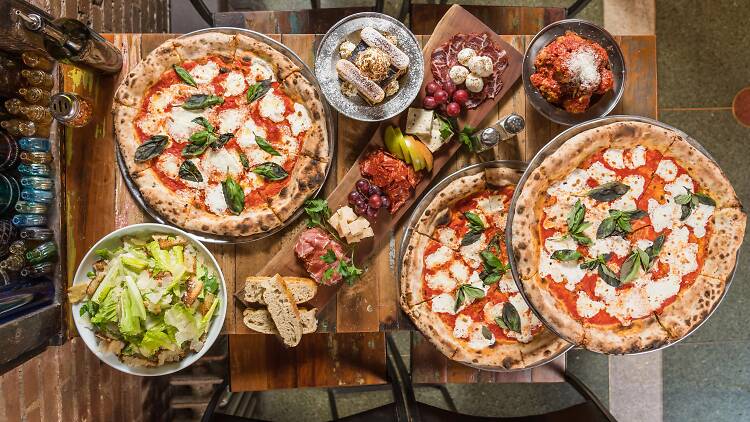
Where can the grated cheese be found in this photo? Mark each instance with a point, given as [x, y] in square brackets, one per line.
[582, 66]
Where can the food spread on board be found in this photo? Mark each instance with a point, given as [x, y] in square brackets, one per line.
[456, 283]
[150, 300]
[626, 237]
[221, 134]
[572, 71]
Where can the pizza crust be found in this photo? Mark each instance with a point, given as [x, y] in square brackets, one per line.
[315, 144]
[302, 91]
[198, 46]
[133, 88]
[435, 213]
[127, 137]
[308, 175]
[551, 311]
[526, 242]
[693, 305]
[498, 177]
[642, 335]
[724, 243]
[433, 328]
[176, 208]
[631, 134]
[247, 47]
[411, 272]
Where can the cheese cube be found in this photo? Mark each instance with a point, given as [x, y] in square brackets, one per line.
[419, 122]
[436, 140]
[347, 213]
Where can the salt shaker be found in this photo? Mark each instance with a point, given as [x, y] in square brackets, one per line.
[503, 129]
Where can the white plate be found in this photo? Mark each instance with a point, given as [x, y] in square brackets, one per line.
[85, 329]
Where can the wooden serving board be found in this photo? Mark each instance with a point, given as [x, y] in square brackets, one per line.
[456, 20]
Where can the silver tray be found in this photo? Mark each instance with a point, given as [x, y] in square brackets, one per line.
[357, 108]
[545, 152]
[426, 200]
[330, 128]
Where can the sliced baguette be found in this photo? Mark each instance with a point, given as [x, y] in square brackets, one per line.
[260, 321]
[302, 289]
[283, 310]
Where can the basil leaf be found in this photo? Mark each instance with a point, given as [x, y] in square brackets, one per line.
[499, 321]
[243, 159]
[656, 246]
[459, 300]
[575, 216]
[472, 292]
[202, 137]
[606, 228]
[184, 75]
[201, 101]
[608, 191]
[151, 148]
[683, 199]
[609, 277]
[590, 264]
[630, 268]
[685, 212]
[490, 259]
[200, 120]
[194, 150]
[490, 278]
[271, 171]
[470, 238]
[258, 90]
[636, 214]
[705, 199]
[566, 255]
[222, 140]
[189, 171]
[623, 223]
[644, 258]
[486, 333]
[581, 239]
[475, 223]
[234, 195]
[329, 257]
[265, 146]
[511, 317]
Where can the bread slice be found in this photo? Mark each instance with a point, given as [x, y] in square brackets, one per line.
[283, 310]
[302, 289]
[260, 321]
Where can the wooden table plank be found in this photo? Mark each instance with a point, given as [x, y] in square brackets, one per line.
[512, 20]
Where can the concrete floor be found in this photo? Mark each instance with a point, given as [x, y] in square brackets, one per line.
[701, 66]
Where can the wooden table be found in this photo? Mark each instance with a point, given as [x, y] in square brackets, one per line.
[98, 202]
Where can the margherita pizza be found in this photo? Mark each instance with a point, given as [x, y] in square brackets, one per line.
[625, 237]
[456, 283]
[221, 133]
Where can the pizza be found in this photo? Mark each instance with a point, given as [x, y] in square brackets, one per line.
[456, 284]
[626, 237]
[221, 133]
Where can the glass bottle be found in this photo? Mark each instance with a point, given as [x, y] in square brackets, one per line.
[8, 151]
[37, 60]
[35, 95]
[15, 106]
[29, 220]
[38, 270]
[44, 252]
[36, 157]
[34, 144]
[19, 247]
[41, 183]
[8, 233]
[38, 78]
[36, 195]
[70, 40]
[12, 263]
[18, 127]
[9, 193]
[502, 130]
[35, 233]
[37, 113]
[10, 76]
[26, 207]
[71, 109]
[34, 169]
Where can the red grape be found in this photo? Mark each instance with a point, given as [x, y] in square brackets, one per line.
[385, 202]
[363, 186]
[461, 96]
[372, 212]
[431, 87]
[449, 87]
[443, 109]
[453, 109]
[441, 96]
[374, 190]
[361, 209]
[429, 102]
[354, 197]
[375, 201]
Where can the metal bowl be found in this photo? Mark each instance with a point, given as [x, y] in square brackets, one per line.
[356, 107]
[535, 162]
[600, 106]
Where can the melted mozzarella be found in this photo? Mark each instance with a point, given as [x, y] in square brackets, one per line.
[667, 170]
[272, 107]
[575, 183]
[586, 306]
[470, 253]
[441, 281]
[662, 289]
[612, 244]
[506, 284]
[601, 174]
[477, 282]
[493, 204]
[614, 158]
[299, 119]
[643, 243]
[205, 73]
[234, 84]
[444, 303]
[260, 70]
[440, 257]
[180, 125]
[459, 271]
[556, 242]
[557, 213]
[699, 218]
[679, 186]
[605, 291]
[221, 162]
[215, 199]
[637, 157]
[663, 216]
[461, 329]
[627, 202]
[629, 304]
[230, 120]
[170, 165]
[247, 133]
[152, 124]
[492, 311]
[163, 98]
[448, 237]
[678, 253]
[528, 319]
[560, 271]
[477, 340]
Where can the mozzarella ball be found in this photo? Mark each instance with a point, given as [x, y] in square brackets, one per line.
[458, 74]
[474, 83]
[480, 66]
[464, 56]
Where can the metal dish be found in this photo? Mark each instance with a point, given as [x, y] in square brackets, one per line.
[330, 128]
[545, 152]
[409, 229]
[357, 108]
[602, 105]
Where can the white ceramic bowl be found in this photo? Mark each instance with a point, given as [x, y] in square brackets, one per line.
[84, 327]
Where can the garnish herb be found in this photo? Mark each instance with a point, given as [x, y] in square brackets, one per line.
[689, 200]
[201, 140]
[476, 227]
[184, 75]
[618, 223]
[265, 146]
[653, 250]
[329, 257]
[151, 148]
[200, 120]
[509, 320]
[258, 90]
[233, 194]
[349, 272]
[223, 139]
[467, 137]
[486, 333]
[494, 269]
[317, 212]
[271, 171]
[566, 255]
[608, 191]
[89, 307]
[90, 274]
[201, 101]
[189, 171]
[243, 159]
[576, 224]
[467, 292]
[446, 130]
[600, 265]
[327, 274]
[632, 266]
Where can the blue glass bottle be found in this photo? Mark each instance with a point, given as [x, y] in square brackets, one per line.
[28, 220]
[25, 207]
[34, 169]
[34, 182]
[34, 144]
[36, 195]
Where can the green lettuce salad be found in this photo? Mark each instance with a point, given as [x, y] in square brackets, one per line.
[151, 300]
